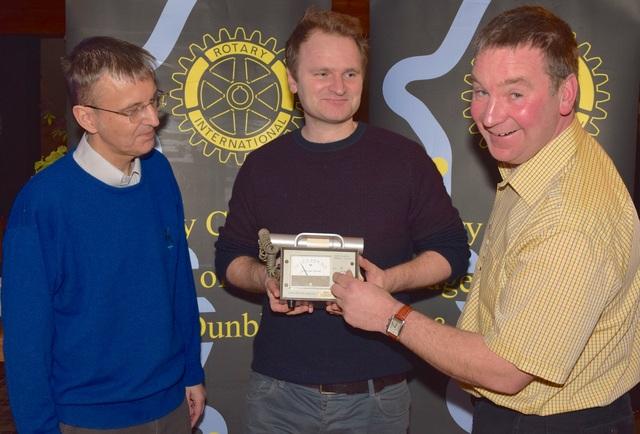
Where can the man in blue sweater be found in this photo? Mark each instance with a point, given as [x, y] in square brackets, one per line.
[98, 300]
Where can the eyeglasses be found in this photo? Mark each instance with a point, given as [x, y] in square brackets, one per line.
[135, 113]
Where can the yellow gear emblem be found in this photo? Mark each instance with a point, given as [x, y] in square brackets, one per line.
[233, 95]
[592, 93]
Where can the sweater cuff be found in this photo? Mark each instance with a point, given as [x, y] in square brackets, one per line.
[452, 245]
[194, 375]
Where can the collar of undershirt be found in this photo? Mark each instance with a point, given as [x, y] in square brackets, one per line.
[330, 146]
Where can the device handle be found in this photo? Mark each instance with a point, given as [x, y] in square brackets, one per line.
[319, 240]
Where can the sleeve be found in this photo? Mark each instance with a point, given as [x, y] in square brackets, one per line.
[186, 304]
[27, 316]
[541, 298]
[435, 222]
[239, 235]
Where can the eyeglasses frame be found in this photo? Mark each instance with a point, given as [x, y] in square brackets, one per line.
[158, 102]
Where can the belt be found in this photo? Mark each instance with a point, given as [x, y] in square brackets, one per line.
[358, 386]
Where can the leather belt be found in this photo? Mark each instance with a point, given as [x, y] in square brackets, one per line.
[358, 386]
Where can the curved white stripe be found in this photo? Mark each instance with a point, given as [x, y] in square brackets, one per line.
[168, 28]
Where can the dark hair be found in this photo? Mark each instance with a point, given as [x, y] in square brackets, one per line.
[327, 22]
[95, 56]
[536, 27]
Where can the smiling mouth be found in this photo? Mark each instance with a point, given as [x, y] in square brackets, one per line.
[508, 133]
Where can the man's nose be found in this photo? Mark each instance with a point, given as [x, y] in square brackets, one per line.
[493, 113]
[337, 85]
[151, 115]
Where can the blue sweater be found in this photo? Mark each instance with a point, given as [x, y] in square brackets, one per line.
[98, 300]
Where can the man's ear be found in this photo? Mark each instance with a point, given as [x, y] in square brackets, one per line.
[86, 118]
[293, 84]
[568, 94]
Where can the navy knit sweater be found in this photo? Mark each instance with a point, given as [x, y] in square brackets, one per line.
[98, 300]
[375, 184]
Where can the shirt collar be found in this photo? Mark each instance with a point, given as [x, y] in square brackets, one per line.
[95, 165]
[530, 179]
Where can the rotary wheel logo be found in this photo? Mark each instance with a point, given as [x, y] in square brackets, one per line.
[591, 96]
[233, 95]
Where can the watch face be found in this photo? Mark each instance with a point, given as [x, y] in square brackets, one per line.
[308, 265]
[395, 325]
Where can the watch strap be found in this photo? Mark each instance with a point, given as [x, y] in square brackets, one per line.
[401, 316]
[403, 312]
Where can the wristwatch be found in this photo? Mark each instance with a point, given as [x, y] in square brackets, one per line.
[396, 322]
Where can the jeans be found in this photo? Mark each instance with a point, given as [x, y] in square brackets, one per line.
[278, 407]
[615, 418]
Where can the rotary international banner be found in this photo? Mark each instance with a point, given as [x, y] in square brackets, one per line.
[420, 87]
[222, 64]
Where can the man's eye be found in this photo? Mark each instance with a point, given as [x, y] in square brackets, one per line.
[132, 111]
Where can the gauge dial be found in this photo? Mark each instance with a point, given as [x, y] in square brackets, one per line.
[310, 265]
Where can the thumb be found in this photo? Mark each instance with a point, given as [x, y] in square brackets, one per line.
[273, 287]
[364, 263]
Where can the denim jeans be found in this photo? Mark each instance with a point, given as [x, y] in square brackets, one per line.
[615, 418]
[278, 407]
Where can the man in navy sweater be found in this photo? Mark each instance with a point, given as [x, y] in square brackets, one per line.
[98, 300]
[311, 371]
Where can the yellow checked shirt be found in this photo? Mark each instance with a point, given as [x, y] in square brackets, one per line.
[557, 287]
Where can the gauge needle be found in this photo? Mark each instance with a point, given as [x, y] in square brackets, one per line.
[303, 269]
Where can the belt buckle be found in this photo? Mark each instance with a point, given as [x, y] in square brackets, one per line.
[325, 392]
